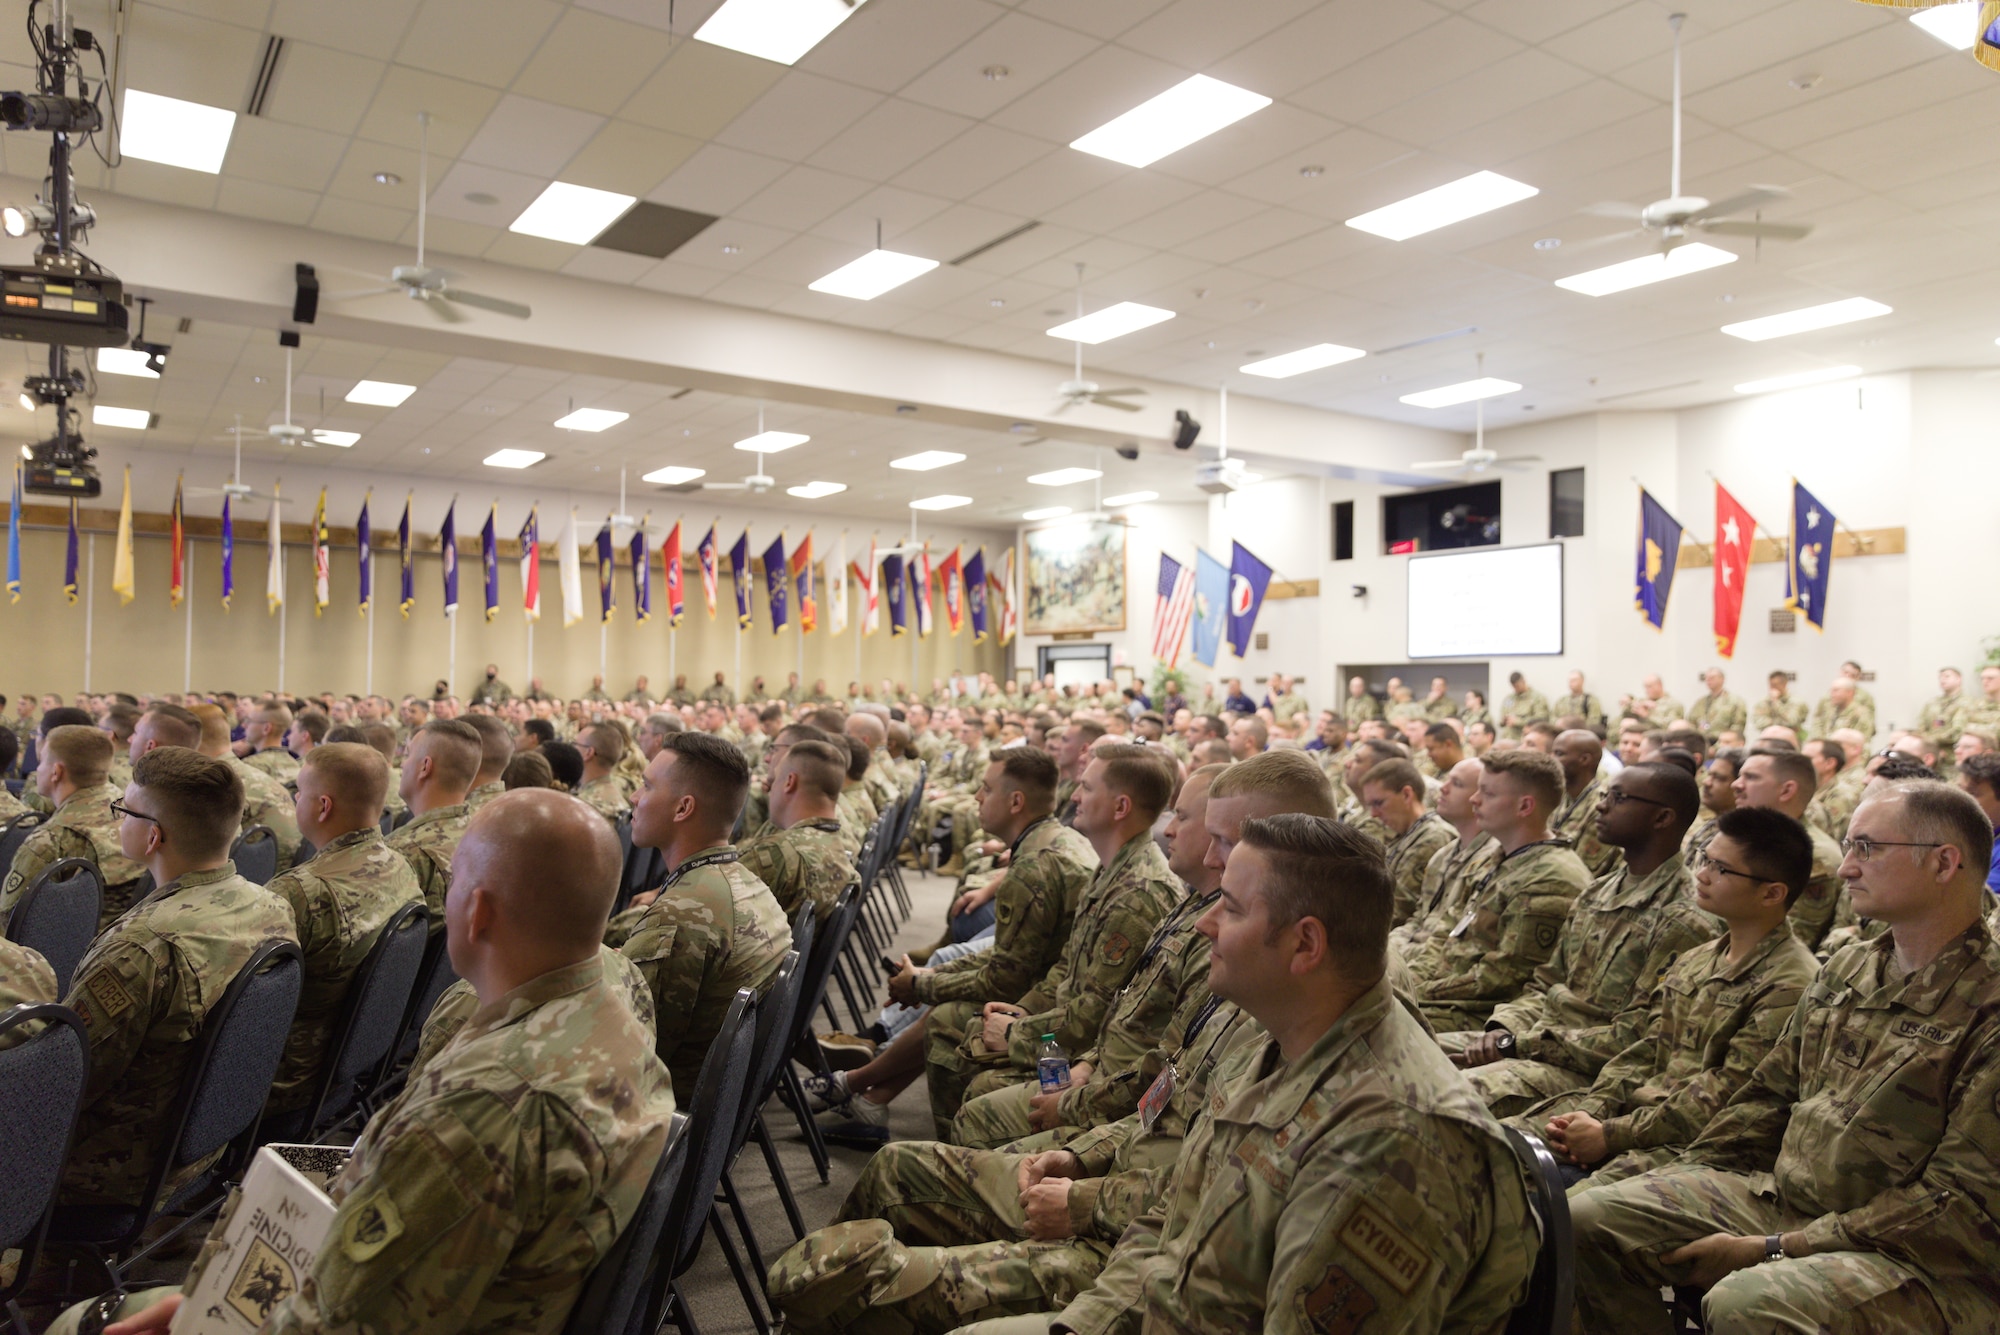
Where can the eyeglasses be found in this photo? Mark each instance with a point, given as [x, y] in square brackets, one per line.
[1618, 797]
[120, 809]
[1862, 849]
[1703, 862]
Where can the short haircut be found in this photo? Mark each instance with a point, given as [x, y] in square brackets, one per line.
[541, 730]
[275, 716]
[771, 714]
[1090, 729]
[315, 724]
[529, 769]
[1731, 756]
[605, 742]
[1777, 847]
[120, 719]
[1831, 750]
[662, 724]
[1896, 766]
[214, 726]
[711, 767]
[174, 726]
[454, 751]
[1442, 732]
[794, 733]
[1381, 748]
[1789, 765]
[857, 755]
[1030, 771]
[820, 766]
[198, 801]
[1673, 785]
[1681, 759]
[84, 751]
[348, 732]
[1138, 773]
[1255, 727]
[63, 716]
[1535, 772]
[1983, 768]
[1541, 727]
[835, 721]
[354, 772]
[1940, 813]
[1212, 752]
[382, 737]
[1393, 776]
[1289, 778]
[1323, 869]
[496, 747]
[565, 763]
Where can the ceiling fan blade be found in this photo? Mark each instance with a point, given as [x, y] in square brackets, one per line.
[725, 486]
[498, 305]
[441, 307]
[1595, 242]
[1064, 406]
[364, 292]
[1763, 231]
[1520, 459]
[1439, 466]
[1119, 404]
[1611, 208]
[1747, 201]
[1108, 393]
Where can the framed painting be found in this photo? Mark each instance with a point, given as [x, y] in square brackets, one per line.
[1076, 577]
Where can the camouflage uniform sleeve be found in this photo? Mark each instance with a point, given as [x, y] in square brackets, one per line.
[1531, 917]
[1102, 1101]
[765, 859]
[455, 1005]
[38, 852]
[414, 1245]
[1104, 1207]
[1588, 1047]
[1115, 1304]
[1694, 1102]
[1077, 1018]
[1745, 1135]
[117, 990]
[1027, 911]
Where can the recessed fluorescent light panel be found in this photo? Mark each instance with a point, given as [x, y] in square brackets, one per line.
[770, 442]
[1131, 498]
[125, 361]
[132, 419]
[1957, 26]
[1062, 477]
[1192, 109]
[673, 475]
[1465, 391]
[812, 491]
[1799, 379]
[344, 439]
[1111, 322]
[1046, 512]
[380, 393]
[573, 213]
[873, 274]
[1681, 260]
[1314, 358]
[591, 419]
[1455, 201]
[780, 30]
[925, 461]
[1806, 320]
[945, 502]
[513, 458]
[177, 133]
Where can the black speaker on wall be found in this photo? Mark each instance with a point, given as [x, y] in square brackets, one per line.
[305, 301]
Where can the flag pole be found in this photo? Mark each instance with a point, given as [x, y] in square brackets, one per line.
[89, 604]
[187, 596]
[368, 680]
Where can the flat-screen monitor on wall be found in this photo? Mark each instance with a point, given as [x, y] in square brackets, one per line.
[1487, 602]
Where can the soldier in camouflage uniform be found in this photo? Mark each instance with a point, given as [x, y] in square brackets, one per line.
[496, 748]
[265, 733]
[1942, 718]
[1718, 711]
[1839, 787]
[438, 769]
[71, 775]
[1360, 705]
[1362, 757]
[1286, 700]
[603, 746]
[1513, 915]
[340, 901]
[1454, 867]
[1578, 703]
[1778, 709]
[1123, 790]
[1392, 792]
[712, 927]
[145, 987]
[800, 854]
[487, 1193]
[458, 1003]
[1580, 753]
[1841, 709]
[954, 781]
[1522, 706]
[25, 980]
[1845, 1186]
[1580, 1008]
[1984, 711]
[1710, 1021]
[1783, 781]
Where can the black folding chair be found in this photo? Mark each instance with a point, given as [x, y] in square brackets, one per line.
[718, 1093]
[305, 853]
[220, 1102]
[57, 916]
[364, 1037]
[388, 823]
[255, 854]
[617, 1287]
[41, 1092]
[434, 975]
[15, 833]
[1552, 1288]
[821, 960]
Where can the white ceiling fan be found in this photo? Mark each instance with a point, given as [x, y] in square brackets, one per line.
[756, 483]
[236, 488]
[1478, 460]
[1076, 390]
[1673, 220]
[421, 282]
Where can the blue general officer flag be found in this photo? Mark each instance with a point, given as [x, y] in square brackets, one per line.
[894, 592]
[774, 583]
[1211, 606]
[1659, 553]
[1248, 579]
[1810, 557]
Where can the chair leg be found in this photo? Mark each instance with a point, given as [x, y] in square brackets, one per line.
[779, 1178]
[678, 1313]
[729, 1254]
[847, 995]
[815, 1146]
[734, 1200]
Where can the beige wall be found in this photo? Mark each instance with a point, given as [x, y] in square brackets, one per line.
[143, 647]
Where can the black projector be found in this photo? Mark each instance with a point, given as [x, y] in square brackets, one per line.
[84, 312]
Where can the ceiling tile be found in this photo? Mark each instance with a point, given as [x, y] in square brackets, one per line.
[592, 62]
[885, 46]
[1441, 54]
[484, 41]
[800, 198]
[324, 88]
[1108, 82]
[717, 180]
[1186, 34]
[456, 109]
[888, 139]
[800, 113]
[264, 150]
[273, 203]
[511, 192]
[351, 217]
[700, 89]
[608, 266]
[976, 159]
[364, 27]
[181, 55]
[630, 159]
[1028, 50]
[526, 135]
[899, 213]
[1103, 19]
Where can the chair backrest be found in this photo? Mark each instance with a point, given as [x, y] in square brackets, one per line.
[41, 1092]
[388, 822]
[57, 917]
[775, 1013]
[1552, 1288]
[222, 1097]
[15, 833]
[305, 853]
[865, 861]
[718, 1092]
[371, 1017]
[434, 975]
[821, 950]
[911, 801]
[255, 854]
[403, 817]
[615, 1288]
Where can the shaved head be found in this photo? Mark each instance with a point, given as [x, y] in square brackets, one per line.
[867, 728]
[549, 863]
[353, 774]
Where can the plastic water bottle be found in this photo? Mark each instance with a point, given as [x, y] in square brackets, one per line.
[1052, 1066]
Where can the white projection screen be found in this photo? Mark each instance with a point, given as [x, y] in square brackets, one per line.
[1487, 602]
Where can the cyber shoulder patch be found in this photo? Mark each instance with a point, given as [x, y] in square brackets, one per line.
[1386, 1249]
[1339, 1305]
[1115, 947]
[373, 1226]
[109, 994]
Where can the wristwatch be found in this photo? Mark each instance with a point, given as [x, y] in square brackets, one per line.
[1505, 1044]
[1774, 1247]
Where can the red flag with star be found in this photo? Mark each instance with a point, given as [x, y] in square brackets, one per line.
[1735, 531]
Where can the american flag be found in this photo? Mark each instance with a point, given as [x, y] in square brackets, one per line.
[1173, 610]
